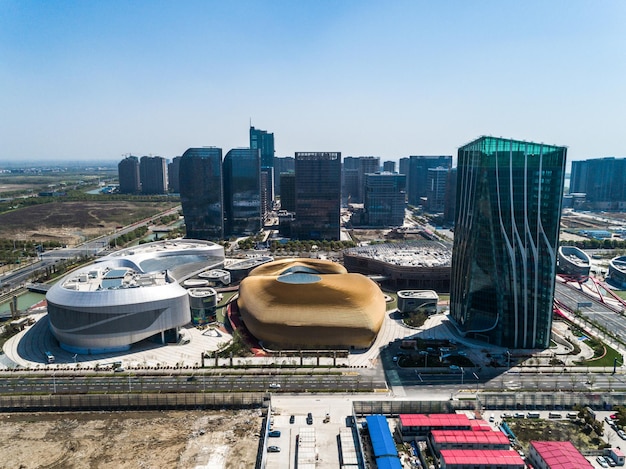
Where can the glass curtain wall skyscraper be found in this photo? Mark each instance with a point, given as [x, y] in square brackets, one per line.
[318, 196]
[201, 193]
[508, 205]
[264, 142]
[385, 200]
[417, 177]
[242, 191]
[603, 180]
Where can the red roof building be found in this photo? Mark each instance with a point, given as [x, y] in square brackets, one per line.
[480, 459]
[556, 455]
[467, 439]
[420, 425]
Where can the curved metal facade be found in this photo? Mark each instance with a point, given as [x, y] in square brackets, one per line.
[128, 296]
[509, 196]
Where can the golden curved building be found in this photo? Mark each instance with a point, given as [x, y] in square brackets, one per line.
[310, 303]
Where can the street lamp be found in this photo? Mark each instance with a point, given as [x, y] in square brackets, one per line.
[424, 353]
[476, 376]
[462, 374]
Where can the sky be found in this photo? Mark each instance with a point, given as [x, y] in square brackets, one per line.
[87, 80]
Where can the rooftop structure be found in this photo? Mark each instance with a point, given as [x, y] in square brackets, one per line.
[557, 455]
[410, 265]
[481, 459]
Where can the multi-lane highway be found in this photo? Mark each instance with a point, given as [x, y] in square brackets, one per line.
[131, 382]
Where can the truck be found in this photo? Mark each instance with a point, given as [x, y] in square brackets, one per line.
[49, 357]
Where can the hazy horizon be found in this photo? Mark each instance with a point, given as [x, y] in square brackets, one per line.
[99, 80]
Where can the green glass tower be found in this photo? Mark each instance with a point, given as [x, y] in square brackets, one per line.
[508, 206]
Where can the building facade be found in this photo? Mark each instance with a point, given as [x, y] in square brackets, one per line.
[603, 180]
[384, 199]
[417, 181]
[288, 191]
[436, 186]
[173, 175]
[282, 165]
[153, 172]
[242, 191]
[509, 197]
[201, 193]
[264, 142]
[128, 172]
[318, 196]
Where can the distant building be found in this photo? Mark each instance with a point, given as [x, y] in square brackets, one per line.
[449, 203]
[384, 199]
[173, 174]
[242, 191]
[603, 180]
[436, 184]
[128, 172]
[201, 193]
[288, 191]
[318, 196]
[153, 172]
[389, 166]
[509, 197]
[282, 165]
[264, 142]
[354, 171]
[417, 181]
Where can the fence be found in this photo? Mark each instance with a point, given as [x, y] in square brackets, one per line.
[88, 402]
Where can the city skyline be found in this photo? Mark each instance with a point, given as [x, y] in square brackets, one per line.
[99, 80]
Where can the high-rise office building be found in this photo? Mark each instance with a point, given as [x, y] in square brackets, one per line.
[282, 165]
[449, 204]
[436, 183]
[603, 180]
[318, 196]
[242, 191]
[385, 199]
[350, 180]
[128, 173]
[403, 168]
[354, 170]
[153, 172]
[264, 142]
[389, 166]
[173, 175]
[509, 196]
[418, 175]
[288, 191]
[201, 193]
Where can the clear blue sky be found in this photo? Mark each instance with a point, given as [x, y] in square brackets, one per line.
[98, 79]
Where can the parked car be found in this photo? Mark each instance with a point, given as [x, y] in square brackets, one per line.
[519, 415]
[309, 419]
[292, 419]
[506, 415]
[273, 449]
[602, 461]
[622, 434]
[274, 434]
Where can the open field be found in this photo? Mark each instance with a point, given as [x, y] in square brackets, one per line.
[225, 439]
[72, 222]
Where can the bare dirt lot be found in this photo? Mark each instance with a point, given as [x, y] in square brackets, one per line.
[71, 222]
[225, 439]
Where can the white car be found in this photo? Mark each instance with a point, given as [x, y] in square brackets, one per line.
[274, 386]
[602, 461]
